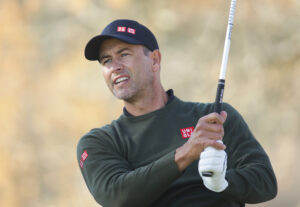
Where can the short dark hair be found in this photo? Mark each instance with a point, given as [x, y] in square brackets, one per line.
[146, 50]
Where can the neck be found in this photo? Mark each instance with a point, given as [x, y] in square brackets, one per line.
[152, 101]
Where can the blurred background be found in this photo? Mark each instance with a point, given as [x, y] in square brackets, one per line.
[50, 95]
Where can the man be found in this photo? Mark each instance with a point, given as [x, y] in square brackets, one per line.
[149, 156]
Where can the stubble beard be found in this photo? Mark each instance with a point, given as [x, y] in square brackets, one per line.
[126, 94]
[133, 92]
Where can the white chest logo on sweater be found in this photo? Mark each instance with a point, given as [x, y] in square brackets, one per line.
[186, 132]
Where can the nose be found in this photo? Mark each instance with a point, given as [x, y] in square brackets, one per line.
[116, 65]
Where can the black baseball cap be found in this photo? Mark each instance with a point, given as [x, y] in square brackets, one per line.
[126, 30]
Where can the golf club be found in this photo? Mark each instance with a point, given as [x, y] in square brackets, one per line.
[221, 82]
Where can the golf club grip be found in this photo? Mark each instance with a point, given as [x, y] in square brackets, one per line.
[219, 96]
[218, 109]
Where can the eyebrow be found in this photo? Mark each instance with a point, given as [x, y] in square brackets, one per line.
[118, 52]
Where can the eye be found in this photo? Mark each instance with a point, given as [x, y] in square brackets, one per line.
[106, 61]
[124, 54]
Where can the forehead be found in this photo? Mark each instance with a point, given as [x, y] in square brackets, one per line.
[112, 44]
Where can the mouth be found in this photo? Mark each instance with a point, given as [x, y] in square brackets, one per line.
[120, 80]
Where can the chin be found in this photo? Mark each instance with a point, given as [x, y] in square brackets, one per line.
[124, 95]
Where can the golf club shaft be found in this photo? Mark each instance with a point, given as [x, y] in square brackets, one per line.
[221, 82]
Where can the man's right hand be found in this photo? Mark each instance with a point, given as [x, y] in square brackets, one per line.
[207, 132]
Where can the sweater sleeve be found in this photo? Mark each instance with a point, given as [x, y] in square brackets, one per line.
[249, 172]
[111, 179]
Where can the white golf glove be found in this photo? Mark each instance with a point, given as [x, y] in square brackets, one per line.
[214, 161]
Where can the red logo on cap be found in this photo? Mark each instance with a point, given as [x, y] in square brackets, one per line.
[186, 132]
[124, 29]
[121, 29]
[130, 30]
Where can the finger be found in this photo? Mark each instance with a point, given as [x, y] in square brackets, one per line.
[224, 115]
[212, 161]
[210, 127]
[212, 164]
[215, 144]
[213, 118]
[212, 153]
[214, 133]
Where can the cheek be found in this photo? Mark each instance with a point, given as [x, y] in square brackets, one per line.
[106, 75]
[145, 75]
[144, 66]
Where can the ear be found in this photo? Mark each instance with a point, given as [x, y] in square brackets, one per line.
[156, 57]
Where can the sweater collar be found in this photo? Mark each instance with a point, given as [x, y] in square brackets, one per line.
[170, 94]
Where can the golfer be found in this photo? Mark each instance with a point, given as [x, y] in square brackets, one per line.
[149, 156]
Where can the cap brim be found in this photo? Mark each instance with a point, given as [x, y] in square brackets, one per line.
[91, 51]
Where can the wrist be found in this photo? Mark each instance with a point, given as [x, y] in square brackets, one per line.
[182, 158]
